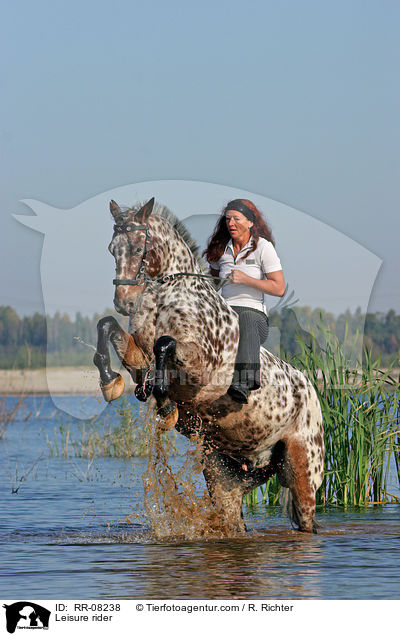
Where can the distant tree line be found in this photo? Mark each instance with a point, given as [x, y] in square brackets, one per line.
[23, 341]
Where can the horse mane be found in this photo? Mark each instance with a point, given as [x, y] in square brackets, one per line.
[165, 213]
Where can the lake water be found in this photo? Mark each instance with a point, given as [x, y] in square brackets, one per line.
[65, 533]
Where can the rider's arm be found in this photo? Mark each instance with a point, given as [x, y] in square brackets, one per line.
[271, 280]
[274, 284]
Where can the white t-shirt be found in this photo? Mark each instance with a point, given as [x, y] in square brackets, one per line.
[257, 264]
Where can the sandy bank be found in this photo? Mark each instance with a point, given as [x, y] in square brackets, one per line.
[55, 380]
[61, 381]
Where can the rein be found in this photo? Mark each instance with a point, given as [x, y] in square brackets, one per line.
[142, 277]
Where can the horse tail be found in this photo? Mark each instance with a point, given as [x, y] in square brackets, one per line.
[289, 508]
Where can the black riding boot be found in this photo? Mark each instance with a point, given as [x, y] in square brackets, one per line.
[246, 378]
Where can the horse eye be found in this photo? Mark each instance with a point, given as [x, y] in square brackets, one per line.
[139, 249]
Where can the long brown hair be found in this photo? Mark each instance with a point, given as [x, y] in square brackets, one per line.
[220, 237]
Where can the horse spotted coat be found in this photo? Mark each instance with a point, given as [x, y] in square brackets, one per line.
[194, 334]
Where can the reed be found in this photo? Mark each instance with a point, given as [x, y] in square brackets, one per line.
[120, 432]
[8, 414]
[360, 407]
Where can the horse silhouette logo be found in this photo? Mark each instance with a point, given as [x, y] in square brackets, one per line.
[325, 267]
[26, 615]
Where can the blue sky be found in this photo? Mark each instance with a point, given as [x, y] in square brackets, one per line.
[295, 101]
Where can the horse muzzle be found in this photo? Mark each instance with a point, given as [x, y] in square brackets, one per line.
[126, 299]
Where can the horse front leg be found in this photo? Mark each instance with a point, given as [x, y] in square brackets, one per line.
[167, 410]
[133, 358]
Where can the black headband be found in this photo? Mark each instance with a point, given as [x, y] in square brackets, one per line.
[239, 206]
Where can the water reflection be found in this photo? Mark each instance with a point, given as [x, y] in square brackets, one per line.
[277, 564]
[64, 537]
[272, 563]
[259, 568]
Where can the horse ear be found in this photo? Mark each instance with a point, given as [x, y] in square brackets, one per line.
[114, 208]
[143, 214]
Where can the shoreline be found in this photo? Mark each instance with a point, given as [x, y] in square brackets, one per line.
[64, 381]
[55, 381]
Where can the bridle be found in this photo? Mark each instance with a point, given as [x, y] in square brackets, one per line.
[141, 276]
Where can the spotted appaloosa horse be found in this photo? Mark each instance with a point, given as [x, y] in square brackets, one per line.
[181, 348]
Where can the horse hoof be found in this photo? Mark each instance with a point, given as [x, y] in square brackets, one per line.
[114, 389]
[168, 416]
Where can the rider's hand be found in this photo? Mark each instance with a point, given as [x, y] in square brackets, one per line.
[236, 276]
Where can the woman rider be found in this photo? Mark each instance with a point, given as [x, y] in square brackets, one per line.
[241, 250]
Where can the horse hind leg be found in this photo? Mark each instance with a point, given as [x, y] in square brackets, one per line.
[228, 481]
[164, 352]
[226, 484]
[294, 473]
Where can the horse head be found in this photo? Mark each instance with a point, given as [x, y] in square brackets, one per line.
[134, 258]
[147, 243]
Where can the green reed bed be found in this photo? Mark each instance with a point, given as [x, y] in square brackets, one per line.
[360, 408]
[121, 432]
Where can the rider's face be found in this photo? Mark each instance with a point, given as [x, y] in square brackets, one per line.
[238, 225]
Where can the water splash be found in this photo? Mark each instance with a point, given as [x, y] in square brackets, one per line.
[174, 508]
